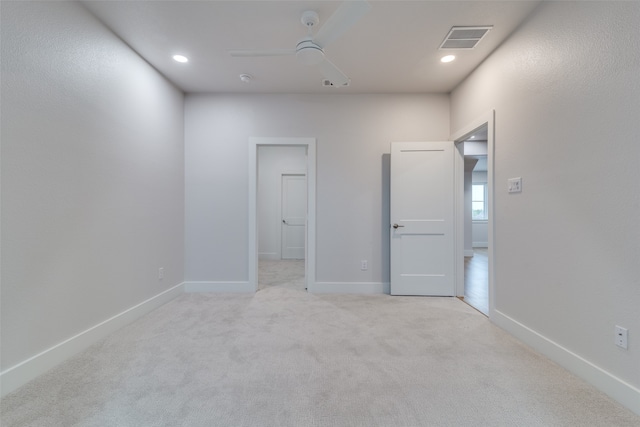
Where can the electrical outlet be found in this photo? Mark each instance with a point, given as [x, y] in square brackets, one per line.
[514, 185]
[621, 337]
[161, 273]
[364, 265]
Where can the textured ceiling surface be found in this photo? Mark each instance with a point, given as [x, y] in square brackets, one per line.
[392, 49]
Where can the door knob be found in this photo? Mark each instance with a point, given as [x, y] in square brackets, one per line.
[397, 226]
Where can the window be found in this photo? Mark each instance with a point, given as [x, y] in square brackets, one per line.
[479, 202]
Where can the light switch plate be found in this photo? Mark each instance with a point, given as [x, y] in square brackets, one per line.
[515, 185]
[621, 337]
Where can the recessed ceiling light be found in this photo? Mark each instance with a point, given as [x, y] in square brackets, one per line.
[180, 58]
[246, 78]
[447, 58]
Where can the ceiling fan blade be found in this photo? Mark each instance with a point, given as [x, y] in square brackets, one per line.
[333, 73]
[261, 52]
[347, 14]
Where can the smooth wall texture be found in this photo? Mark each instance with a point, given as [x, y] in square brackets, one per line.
[272, 163]
[92, 177]
[480, 229]
[469, 164]
[353, 137]
[566, 94]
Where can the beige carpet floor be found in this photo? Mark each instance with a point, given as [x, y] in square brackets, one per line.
[284, 357]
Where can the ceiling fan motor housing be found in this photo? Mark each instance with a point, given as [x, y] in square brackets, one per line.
[309, 52]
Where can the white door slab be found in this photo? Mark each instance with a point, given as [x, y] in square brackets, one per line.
[294, 215]
[422, 218]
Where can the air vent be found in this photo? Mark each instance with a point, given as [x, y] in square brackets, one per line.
[464, 37]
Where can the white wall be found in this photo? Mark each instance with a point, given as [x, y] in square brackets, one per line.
[480, 234]
[479, 229]
[272, 163]
[469, 164]
[479, 177]
[353, 134]
[92, 177]
[566, 94]
[475, 148]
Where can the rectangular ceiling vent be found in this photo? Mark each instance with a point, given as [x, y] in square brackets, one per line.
[465, 37]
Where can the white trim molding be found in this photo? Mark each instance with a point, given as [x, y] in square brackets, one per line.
[351, 288]
[25, 371]
[219, 287]
[616, 388]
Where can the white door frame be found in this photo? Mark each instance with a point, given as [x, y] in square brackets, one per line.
[487, 119]
[310, 241]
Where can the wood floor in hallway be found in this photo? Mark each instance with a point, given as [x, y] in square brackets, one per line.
[476, 280]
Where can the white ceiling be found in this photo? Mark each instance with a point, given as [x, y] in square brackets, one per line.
[392, 49]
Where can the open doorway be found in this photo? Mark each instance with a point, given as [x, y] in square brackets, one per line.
[282, 213]
[475, 214]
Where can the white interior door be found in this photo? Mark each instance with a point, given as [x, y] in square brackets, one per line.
[294, 215]
[422, 218]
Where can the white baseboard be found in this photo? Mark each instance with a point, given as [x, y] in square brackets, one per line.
[20, 374]
[468, 252]
[219, 287]
[270, 256]
[480, 244]
[350, 288]
[616, 388]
